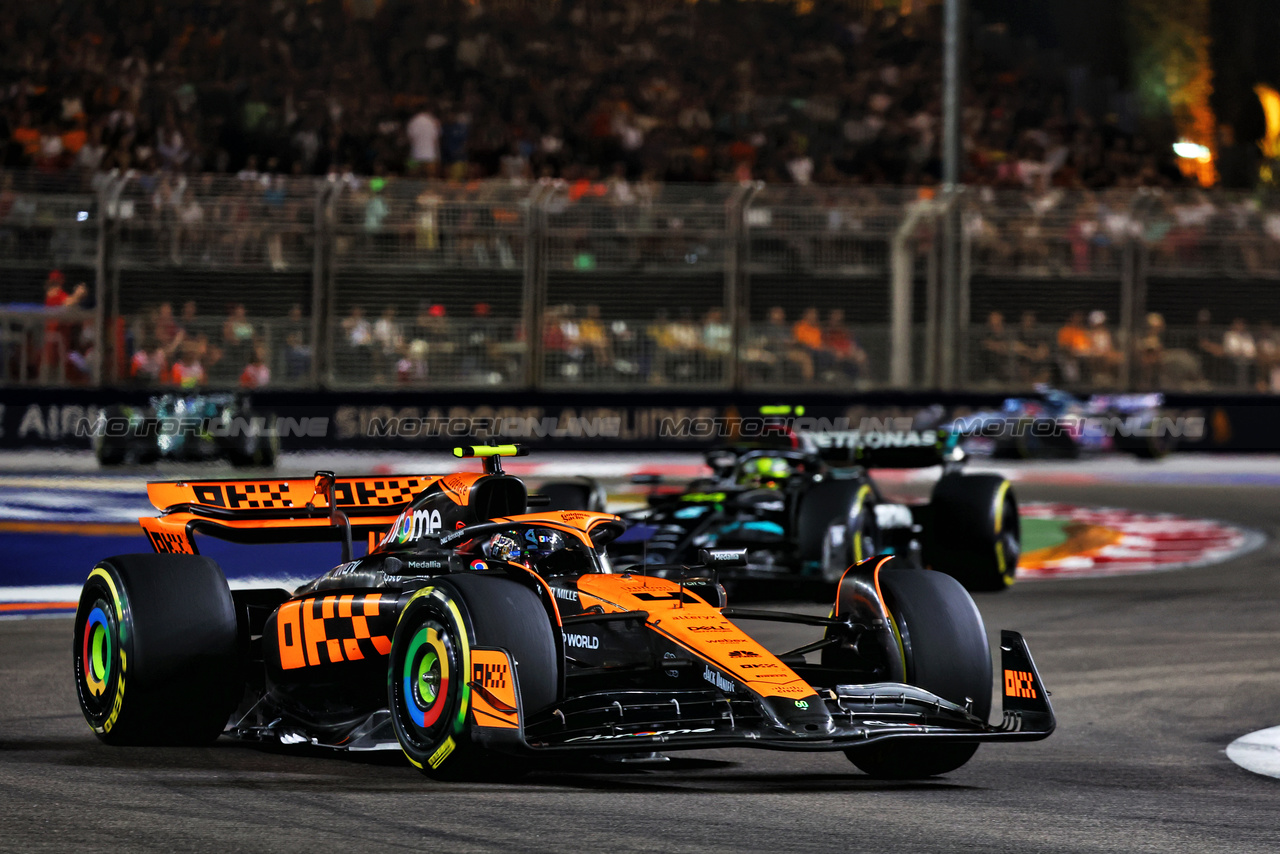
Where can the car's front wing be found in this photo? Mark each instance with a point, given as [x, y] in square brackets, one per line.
[628, 721]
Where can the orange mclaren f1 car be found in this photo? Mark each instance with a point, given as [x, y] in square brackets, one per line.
[477, 636]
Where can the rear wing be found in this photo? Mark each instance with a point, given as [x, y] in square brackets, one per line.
[281, 510]
[896, 449]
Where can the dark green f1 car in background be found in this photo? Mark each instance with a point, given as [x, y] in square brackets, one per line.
[187, 428]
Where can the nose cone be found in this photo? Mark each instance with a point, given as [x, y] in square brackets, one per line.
[802, 716]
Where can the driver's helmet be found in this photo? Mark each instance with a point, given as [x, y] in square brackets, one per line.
[524, 546]
[764, 471]
[506, 547]
[540, 542]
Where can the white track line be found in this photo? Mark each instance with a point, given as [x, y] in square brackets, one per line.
[1258, 752]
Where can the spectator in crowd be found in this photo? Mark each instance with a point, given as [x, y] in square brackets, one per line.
[594, 341]
[843, 93]
[357, 329]
[355, 348]
[1209, 349]
[1268, 367]
[411, 368]
[423, 131]
[717, 344]
[996, 351]
[1102, 359]
[388, 340]
[1150, 352]
[806, 335]
[1239, 349]
[297, 357]
[1031, 346]
[677, 343]
[1074, 348]
[149, 366]
[237, 331]
[849, 359]
[57, 334]
[167, 332]
[189, 320]
[188, 372]
[769, 351]
[257, 373]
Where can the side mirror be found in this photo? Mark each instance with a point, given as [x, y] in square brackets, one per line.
[324, 488]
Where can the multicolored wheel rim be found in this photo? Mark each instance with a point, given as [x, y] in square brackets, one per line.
[98, 650]
[426, 674]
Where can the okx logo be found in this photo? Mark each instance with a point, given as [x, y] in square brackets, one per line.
[1019, 683]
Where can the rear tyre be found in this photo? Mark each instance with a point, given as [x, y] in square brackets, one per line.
[976, 534]
[111, 450]
[836, 526]
[428, 689]
[154, 650]
[254, 448]
[1147, 447]
[1041, 438]
[582, 493]
[944, 645]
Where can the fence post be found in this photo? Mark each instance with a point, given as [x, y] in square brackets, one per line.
[964, 320]
[737, 307]
[534, 286]
[1134, 294]
[901, 308]
[100, 291]
[323, 324]
[320, 274]
[110, 195]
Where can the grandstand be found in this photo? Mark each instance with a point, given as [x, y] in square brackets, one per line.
[604, 194]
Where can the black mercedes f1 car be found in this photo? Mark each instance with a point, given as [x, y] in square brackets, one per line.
[810, 508]
[478, 637]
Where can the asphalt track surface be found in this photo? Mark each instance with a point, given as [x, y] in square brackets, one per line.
[1152, 676]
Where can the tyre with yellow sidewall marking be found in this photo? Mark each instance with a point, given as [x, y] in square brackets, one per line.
[975, 535]
[154, 650]
[429, 694]
[945, 652]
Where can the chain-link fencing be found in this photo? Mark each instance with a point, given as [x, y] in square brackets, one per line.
[427, 284]
[253, 280]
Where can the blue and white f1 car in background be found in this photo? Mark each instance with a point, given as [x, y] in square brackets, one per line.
[1055, 424]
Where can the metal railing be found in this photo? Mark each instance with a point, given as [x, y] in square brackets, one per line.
[368, 283]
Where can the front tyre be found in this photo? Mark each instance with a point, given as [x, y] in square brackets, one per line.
[154, 650]
[945, 651]
[429, 691]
